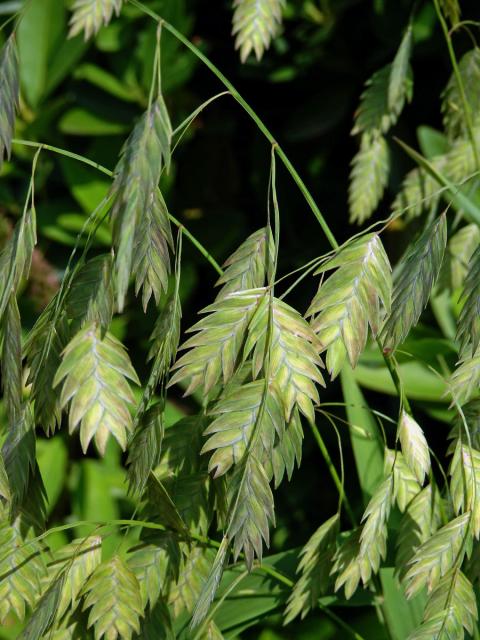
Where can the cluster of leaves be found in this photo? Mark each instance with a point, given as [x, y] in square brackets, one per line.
[253, 363]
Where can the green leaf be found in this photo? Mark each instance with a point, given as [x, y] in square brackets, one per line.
[82, 122]
[21, 568]
[12, 384]
[94, 373]
[314, 569]
[90, 15]
[414, 446]
[217, 345]
[453, 107]
[141, 228]
[400, 84]
[255, 24]
[438, 555]
[247, 267]
[368, 177]
[417, 273]
[279, 335]
[39, 32]
[452, 607]
[112, 594]
[368, 452]
[350, 300]
[9, 92]
[90, 295]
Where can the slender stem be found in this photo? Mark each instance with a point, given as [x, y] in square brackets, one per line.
[107, 172]
[244, 104]
[333, 471]
[458, 78]
[343, 625]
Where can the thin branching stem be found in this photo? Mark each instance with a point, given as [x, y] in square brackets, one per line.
[333, 472]
[244, 104]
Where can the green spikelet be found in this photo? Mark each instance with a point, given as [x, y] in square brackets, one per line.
[255, 24]
[368, 177]
[90, 15]
[9, 95]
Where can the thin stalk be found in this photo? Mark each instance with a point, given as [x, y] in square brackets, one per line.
[333, 472]
[244, 104]
[458, 78]
[107, 172]
[203, 627]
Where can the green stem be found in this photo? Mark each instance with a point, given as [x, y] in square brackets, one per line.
[244, 104]
[333, 472]
[458, 78]
[107, 172]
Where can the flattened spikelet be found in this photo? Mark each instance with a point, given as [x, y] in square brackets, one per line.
[374, 114]
[249, 417]
[90, 15]
[247, 267]
[292, 352]
[405, 484]
[368, 177]
[417, 273]
[251, 509]
[216, 347]
[255, 24]
[351, 300]
[451, 608]
[141, 228]
[21, 568]
[112, 594]
[465, 482]
[414, 446]
[437, 555]
[314, 569]
[468, 332]
[9, 95]
[454, 119]
[94, 374]
[421, 519]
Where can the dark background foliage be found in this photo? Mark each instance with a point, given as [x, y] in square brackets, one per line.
[86, 97]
